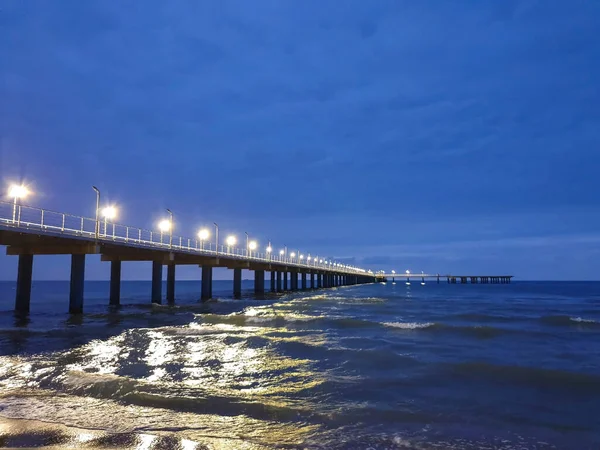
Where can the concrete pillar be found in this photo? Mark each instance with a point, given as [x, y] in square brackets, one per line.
[23, 297]
[294, 280]
[278, 281]
[171, 283]
[237, 283]
[259, 281]
[312, 281]
[156, 282]
[285, 281]
[273, 281]
[319, 281]
[115, 283]
[206, 283]
[77, 280]
[303, 280]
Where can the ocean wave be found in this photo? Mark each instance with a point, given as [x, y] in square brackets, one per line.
[409, 325]
[568, 321]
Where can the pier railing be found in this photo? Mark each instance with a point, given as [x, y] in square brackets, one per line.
[31, 219]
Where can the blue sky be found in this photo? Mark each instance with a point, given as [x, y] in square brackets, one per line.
[441, 136]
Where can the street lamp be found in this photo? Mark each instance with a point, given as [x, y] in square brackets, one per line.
[109, 213]
[230, 241]
[216, 240]
[247, 246]
[97, 231]
[170, 228]
[163, 226]
[251, 247]
[17, 191]
[203, 234]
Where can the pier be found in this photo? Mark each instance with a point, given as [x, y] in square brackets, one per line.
[28, 232]
[450, 279]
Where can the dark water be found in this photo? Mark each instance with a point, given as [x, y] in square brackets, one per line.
[377, 366]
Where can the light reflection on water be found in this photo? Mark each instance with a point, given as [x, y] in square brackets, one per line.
[308, 372]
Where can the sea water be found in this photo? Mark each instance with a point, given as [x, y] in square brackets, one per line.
[378, 366]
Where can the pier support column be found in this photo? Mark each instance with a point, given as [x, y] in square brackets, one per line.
[77, 280]
[23, 297]
[294, 280]
[206, 282]
[278, 281]
[171, 283]
[319, 281]
[303, 280]
[272, 281]
[156, 282]
[312, 281]
[237, 283]
[259, 281]
[115, 283]
[285, 281]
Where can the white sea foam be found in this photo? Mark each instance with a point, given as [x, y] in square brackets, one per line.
[581, 320]
[408, 325]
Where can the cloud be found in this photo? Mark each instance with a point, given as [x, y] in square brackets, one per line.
[308, 112]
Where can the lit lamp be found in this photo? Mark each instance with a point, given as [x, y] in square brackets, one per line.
[230, 241]
[252, 246]
[17, 192]
[164, 226]
[109, 213]
[203, 235]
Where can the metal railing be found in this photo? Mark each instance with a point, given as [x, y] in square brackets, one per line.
[36, 220]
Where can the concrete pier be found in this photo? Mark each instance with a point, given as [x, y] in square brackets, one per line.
[279, 281]
[312, 281]
[303, 276]
[77, 284]
[237, 283]
[259, 281]
[285, 281]
[272, 280]
[157, 282]
[23, 296]
[206, 282]
[115, 283]
[319, 280]
[171, 284]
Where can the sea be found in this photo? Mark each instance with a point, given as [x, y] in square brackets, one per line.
[377, 366]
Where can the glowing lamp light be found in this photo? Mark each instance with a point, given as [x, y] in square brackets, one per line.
[292, 255]
[18, 191]
[301, 256]
[230, 241]
[203, 234]
[393, 271]
[281, 252]
[407, 272]
[252, 245]
[320, 261]
[164, 225]
[269, 249]
[110, 212]
[308, 259]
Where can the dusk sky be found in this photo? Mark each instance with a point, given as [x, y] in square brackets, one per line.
[444, 136]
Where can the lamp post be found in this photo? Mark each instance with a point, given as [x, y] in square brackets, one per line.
[17, 192]
[247, 245]
[216, 240]
[203, 235]
[252, 246]
[230, 241]
[109, 213]
[170, 228]
[269, 250]
[97, 231]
